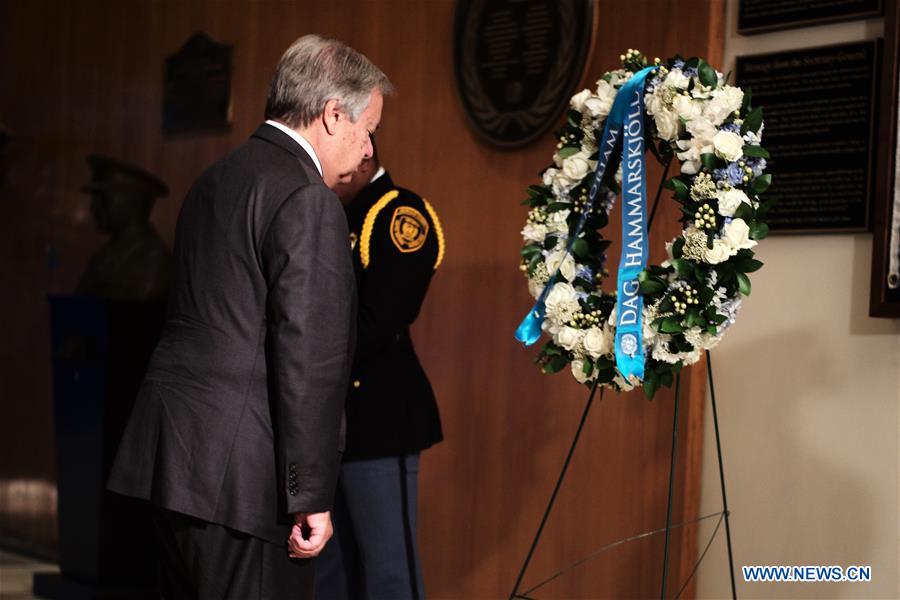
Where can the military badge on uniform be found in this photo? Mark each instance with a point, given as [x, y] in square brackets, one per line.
[408, 229]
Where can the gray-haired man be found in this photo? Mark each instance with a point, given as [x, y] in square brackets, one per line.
[236, 434]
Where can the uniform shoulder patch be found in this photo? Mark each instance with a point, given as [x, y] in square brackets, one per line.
[409, 229]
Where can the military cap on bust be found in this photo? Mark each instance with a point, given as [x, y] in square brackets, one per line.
[114, 174]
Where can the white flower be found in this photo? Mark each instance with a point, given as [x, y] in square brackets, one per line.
[534, 232]
[701, 142]
[598, 107]
[668, 125]
[686, 107]
[557, 223]
[677, 79]
[548, 176]
[577, 101]
[569, 337]
[563, 261]
[578, 372]
[720, 252]
[562, 302]
[730, 200]
[596, 342]
[724, 102]
[737, 235]
[535, 287]
[576, 167]
[626, 385]
[605, 90]
[728, 145]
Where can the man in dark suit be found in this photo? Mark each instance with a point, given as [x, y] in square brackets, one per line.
[392, 415]
[236, 434]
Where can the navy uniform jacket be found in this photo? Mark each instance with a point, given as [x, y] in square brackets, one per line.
[397, 245]
[238, 421]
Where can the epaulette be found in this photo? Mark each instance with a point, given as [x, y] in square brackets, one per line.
[365, 238]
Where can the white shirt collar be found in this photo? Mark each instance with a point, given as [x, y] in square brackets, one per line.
[300, 140]
[378, 174]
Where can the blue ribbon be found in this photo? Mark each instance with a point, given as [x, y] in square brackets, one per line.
[627, 114]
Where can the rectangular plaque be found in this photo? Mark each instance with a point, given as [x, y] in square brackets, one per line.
[197, 90]
[819, 113]
[757, 16]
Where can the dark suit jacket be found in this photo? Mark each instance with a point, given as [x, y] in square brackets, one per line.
[239, 419]
[391, 409]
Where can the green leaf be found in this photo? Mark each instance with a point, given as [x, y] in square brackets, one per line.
[568, 151]
[684, 267]
[588, 367]
[710, 161]
[650, 387]
[530, 250]
[580, 248]
[744, 211]
[718, 319]
[671, 325]
[574, 118]
[678, 248]
[761, 184]
[743, 284]
[745, 104]
[533, 263]
[748, 265]
[652, 286]
[759, 231]
[691, 62]
[681, 190]
[537, 190]
[752, 121]
[550, 242]
[557, 206]
[755, 151]
[555, 364]
[707, 74]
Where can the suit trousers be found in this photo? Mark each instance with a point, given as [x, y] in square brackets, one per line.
[373, 552]
[200, 560]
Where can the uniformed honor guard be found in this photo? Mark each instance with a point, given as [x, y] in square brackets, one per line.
[391, 410]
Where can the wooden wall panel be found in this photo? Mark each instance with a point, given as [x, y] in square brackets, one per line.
[81, 77]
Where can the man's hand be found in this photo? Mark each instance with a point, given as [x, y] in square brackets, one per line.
[309, 535]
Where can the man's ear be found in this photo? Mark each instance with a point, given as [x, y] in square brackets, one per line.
[332, 115]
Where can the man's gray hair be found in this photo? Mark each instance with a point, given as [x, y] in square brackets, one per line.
[315, 70]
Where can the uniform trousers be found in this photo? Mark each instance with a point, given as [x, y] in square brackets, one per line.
[373, 552]
[201, 560]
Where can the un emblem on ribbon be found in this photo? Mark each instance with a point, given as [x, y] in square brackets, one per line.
[629, 344]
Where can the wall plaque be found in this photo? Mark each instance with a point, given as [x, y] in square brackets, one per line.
[197, 90]
[819, 128]
[756, 16]
[517, 61]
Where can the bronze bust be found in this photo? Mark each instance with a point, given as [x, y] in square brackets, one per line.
[134, 264]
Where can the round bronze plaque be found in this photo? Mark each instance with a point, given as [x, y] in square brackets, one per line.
[517, 61]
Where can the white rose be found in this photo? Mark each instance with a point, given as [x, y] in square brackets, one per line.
[569, 337]
[578, 372]
[605, 90]
[598, 107]
[667, 125]
[564, 262]
[549, 176]
[577, 101]
[702, 130]
[534, 232]
[720, 252]
[677, 79]
[596, 342]
[557, 223]
[653, 103]
[686, 108]
[737, 235]
[728, 145]
[576, 167]
[730, 200]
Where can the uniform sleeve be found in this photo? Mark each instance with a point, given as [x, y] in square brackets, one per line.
[310, 329]
[396, 279]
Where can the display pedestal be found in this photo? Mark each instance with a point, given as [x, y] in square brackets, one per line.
[100, 353]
